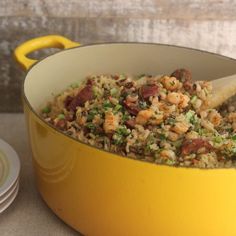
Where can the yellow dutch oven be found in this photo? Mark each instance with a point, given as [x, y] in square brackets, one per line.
[101, 193]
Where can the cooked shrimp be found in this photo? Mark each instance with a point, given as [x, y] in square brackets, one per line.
[156, 119]
[184, 100]
[172, 136]
[180, 127]
[173, 98]
[167, 154]
[171, 83]
[143, 116]
[215, 118]
[111, 122]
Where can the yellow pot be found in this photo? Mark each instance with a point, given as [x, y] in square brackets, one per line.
[100, 193]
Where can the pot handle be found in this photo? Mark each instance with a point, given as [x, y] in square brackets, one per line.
[49, 41]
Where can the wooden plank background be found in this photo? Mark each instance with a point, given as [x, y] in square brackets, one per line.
[208, 25]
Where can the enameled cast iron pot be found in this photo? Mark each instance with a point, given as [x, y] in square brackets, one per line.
[101, 193]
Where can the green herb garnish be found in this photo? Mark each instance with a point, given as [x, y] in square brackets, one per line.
[46, 109]
[162, 137]
[117, 108]
[193, 99]
[91, 114]
[91, 126]
[218, 139]
[123, 131]
[61, 116]
[107, 104]
[125, 117]
[233, 137]
[191, 117]
[118, 139]
[114, 92]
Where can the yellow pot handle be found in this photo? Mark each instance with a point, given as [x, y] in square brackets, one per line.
[50, 41]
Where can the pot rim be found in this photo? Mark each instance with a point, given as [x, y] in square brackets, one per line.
[100, 149]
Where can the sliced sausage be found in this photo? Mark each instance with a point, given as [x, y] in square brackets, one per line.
[61, 124]
[130, 123]
[184, 76]
[147, 91]
[83, 95]
[132, 108]
[193, 145]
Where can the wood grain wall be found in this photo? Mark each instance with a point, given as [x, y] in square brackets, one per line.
[208, 25]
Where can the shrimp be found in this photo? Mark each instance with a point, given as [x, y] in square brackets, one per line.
[174, 98]
[184, 100]
[215, 118]
[180, 127]
[111, 122]
[171, 83]
[143, 116]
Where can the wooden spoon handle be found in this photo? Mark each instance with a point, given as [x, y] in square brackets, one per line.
[223, 89]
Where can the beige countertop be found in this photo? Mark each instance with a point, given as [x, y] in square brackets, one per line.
[28, 215]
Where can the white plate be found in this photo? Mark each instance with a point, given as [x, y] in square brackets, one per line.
[9, 200]
[7, 194]
[9, 167]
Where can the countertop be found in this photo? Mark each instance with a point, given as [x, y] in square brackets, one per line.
[28, 215]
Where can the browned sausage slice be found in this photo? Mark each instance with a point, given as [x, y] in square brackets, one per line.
[193, 145]
[184, 76]
[147, 91]
[83, 95]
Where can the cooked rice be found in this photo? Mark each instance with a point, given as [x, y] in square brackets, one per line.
[160, 119]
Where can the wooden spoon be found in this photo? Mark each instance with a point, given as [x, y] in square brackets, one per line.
[223, 89]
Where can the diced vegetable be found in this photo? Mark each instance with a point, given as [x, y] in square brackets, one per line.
[61, 116]
[193, 99]
[218, 139]
[91, 114]
[46, 109]
[122, 130]
[114, 92]
[107, 104]
[162, 137]
[117, 108]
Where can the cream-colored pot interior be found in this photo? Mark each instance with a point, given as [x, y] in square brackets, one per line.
[55, 73]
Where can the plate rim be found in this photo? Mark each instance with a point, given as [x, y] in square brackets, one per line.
[14, 166]
[10, 199]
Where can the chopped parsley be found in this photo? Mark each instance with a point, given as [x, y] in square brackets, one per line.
[117, 108]
[193, 99]
[191, 117]
[107, 104]
[114, 92]
[122, 130]
[92, 113]
[234, 137]
[46, 109]
[91, 126]
[218, 139]
[125, 117]
[162, 137]
[61, 116]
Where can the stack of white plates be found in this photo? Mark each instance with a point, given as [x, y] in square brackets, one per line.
[9, 175]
